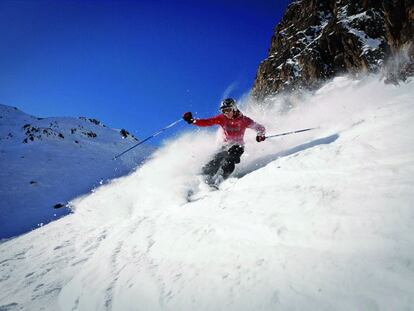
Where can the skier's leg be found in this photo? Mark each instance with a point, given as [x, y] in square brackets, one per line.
[211, 168]
[235, 152]
[233, 156]
[228, 168]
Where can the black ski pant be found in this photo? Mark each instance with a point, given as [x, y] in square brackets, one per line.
[225, 159]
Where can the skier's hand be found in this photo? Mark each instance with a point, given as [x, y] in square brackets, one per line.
[188, 117]
[260, 137]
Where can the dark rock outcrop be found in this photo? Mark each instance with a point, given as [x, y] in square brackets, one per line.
[36, 133]
[318, 39]
[124, 133]
[399, 21]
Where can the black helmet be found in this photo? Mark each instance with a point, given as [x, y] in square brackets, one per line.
[228, 103]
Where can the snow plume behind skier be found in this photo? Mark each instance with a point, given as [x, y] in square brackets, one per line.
[333, 107]
[234, 124]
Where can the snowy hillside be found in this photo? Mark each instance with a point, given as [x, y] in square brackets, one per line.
[321, 220]
[48, 161]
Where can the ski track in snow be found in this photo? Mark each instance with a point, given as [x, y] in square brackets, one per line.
[316, 221]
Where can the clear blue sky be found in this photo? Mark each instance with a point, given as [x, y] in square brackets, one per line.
[131, 64]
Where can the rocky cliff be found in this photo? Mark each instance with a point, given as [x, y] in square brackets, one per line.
[318, 39]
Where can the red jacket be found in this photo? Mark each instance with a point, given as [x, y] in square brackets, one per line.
[233, 128]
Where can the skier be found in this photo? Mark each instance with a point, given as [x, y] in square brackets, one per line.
[234, 124]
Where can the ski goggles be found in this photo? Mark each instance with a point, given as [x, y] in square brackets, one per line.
[225, 110]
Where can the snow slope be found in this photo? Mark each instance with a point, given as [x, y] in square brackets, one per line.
[321, 220]
[47, 161]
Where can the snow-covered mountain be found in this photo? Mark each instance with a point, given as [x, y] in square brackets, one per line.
[319, 39]
[321, 220]
[48, 161]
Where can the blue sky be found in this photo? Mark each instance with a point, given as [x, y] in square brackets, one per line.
[131, 64]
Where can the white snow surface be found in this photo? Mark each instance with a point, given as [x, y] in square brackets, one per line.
[65, 157]
[321, 220]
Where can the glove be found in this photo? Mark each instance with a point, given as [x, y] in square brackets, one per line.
[260, 137]
[188, 117]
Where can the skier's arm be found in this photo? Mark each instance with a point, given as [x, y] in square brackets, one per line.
[207, 122]
[260, 130]
[188, 117]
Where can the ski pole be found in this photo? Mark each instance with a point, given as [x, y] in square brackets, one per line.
[292, 132]
[148, 138]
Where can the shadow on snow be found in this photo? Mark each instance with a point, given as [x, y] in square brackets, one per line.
[262, 162]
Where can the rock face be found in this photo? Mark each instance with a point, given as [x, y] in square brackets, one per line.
[399, 19]
[318, 39]
[399, 22]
